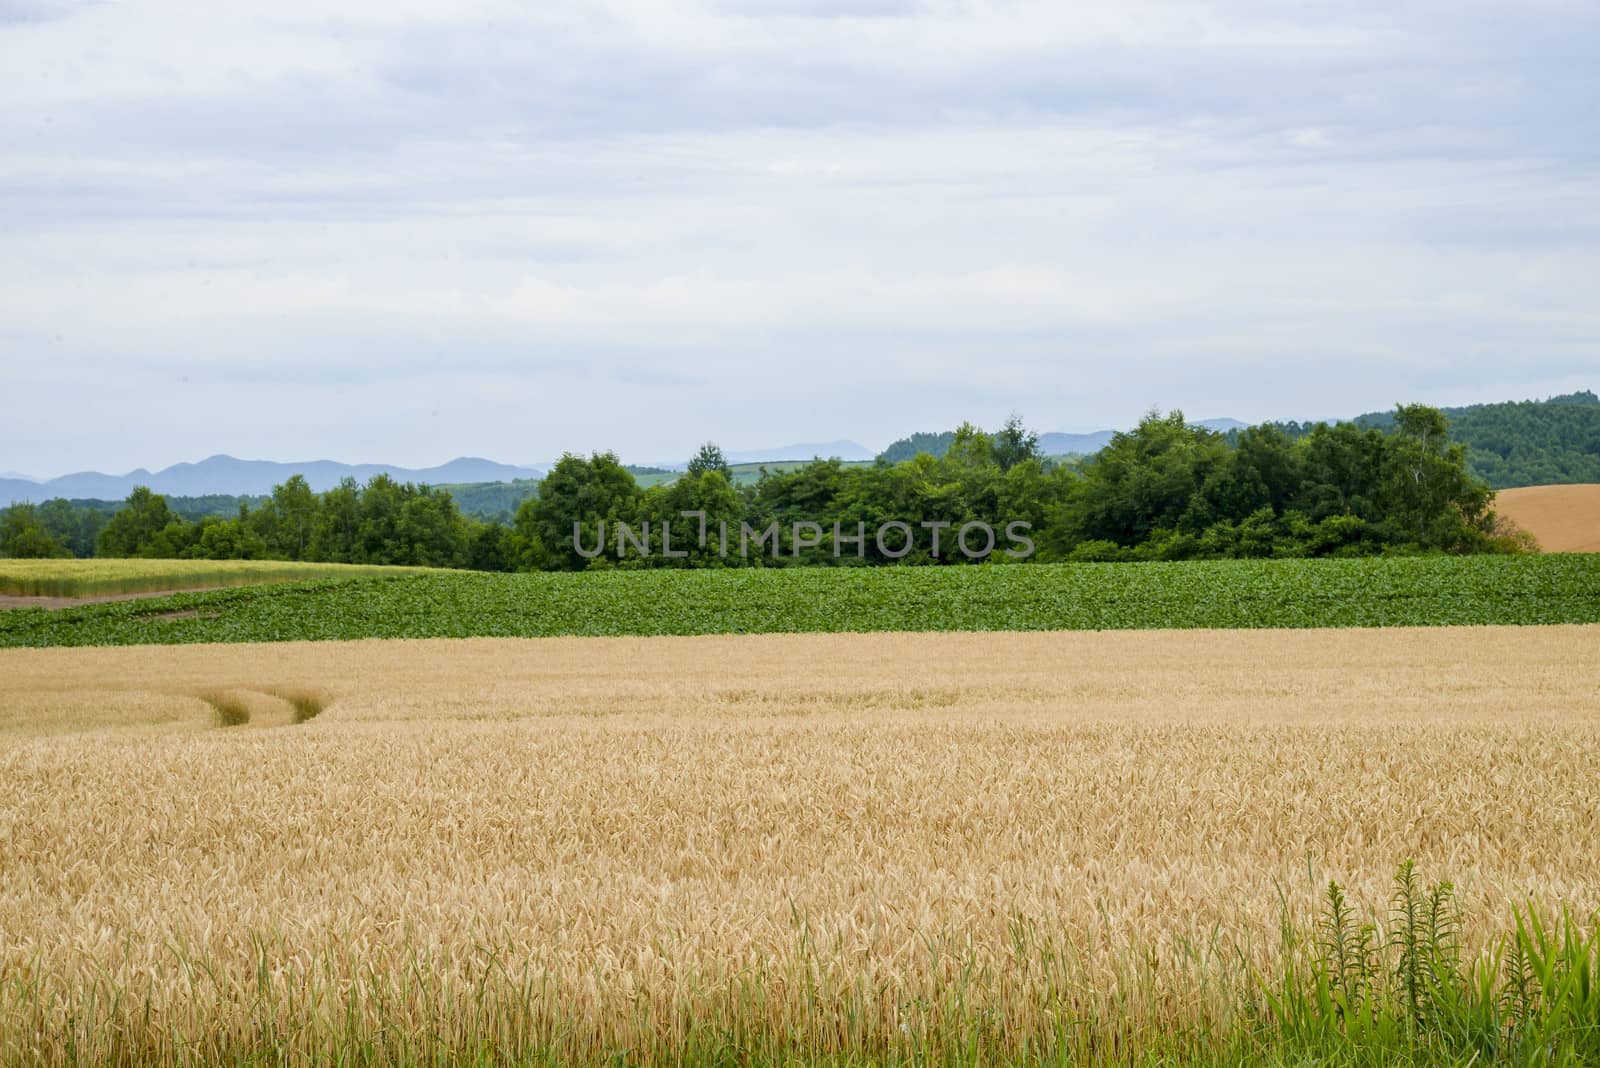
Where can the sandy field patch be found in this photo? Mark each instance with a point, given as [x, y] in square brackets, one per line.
[1565, 519]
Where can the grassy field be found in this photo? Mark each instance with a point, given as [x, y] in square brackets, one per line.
[954, 849]
[94, 578]
[1418, 591]
[743, 474]
[1565, 519]
[749, 474]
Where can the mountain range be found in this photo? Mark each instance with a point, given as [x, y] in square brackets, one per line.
[1514, 443]
[231, 476]
[1083, 444]
[227, 475]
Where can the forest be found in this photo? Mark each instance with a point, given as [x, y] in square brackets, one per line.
[1514, 443]
[1524, 443]
[1163, 491]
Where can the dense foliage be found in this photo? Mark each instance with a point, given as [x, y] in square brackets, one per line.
[383, 522]
[1525, 443]
[923, 442]
[1163, 491]
[1410, 591]
[492, 501]
[1517, 443]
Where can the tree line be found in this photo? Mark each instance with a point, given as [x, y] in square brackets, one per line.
[1162, 491]
[1525, 443]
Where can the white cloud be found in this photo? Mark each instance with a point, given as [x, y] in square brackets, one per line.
[797, 220]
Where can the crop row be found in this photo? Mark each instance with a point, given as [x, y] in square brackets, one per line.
[93, 578]
[1414, 591]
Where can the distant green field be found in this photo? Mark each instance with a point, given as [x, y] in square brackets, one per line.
[743, 474]
[1417, 591]
[100, 577]
[748, 474]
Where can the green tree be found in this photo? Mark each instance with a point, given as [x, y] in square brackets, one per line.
[337, 524]
[75, 526]
[490, 547]
[430, 531]
[1015, 444]
[970, 448]
[24, 536]
[1263, 472]
[922, 442]
[377, 526]
[576, 500]
[287, 520]
[717, 507]
[1144, 481]
[710, 458]
[1426, 490]
[133, 530]
[1342, 468]
[226, 539]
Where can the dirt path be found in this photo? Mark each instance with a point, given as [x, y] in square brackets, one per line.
[11, 600]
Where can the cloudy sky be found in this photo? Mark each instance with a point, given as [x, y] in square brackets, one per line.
[405, 232]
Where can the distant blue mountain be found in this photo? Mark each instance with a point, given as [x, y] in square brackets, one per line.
[1055, 443]
[234, 477]
[225, 474]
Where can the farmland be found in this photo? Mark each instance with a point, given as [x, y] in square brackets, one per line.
[1409, 591]
[685, 817]
[942, 848]
[1564, 519]
[95, 578]
[742, 474]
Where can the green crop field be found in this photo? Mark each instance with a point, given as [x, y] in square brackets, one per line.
[750, 474]
[740, 474]
[1414, 591]
[100, 577]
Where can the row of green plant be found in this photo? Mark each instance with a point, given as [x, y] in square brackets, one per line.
[1373, 592]
[1164, 491]
[1404, 990]
[1400, 989]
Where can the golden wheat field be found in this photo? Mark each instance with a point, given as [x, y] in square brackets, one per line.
[604, 842]
[1563, 519]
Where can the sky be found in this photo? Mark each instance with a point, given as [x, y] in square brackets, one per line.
[385, 231]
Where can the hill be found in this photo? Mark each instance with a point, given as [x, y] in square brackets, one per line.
[1513, 443]
[492, 500]
[1525, 443]
[1054, 443]
[230, 476]
[1565, 519]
